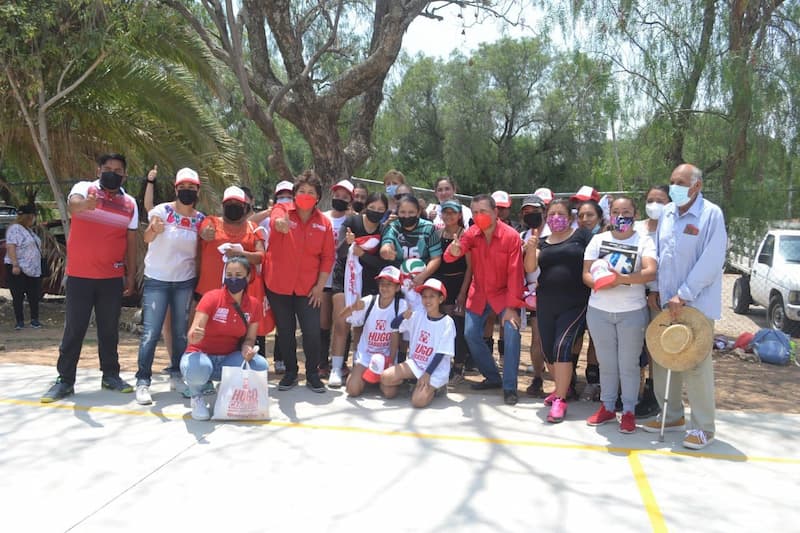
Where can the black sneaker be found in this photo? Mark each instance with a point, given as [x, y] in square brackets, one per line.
[35, 324]
[535, 389]
[486, 385]
[116, 383]
[314, 383]
[510, 397]
[288, 381]
[19, 326]
[58, 391]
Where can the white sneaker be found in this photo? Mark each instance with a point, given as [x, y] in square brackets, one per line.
[143, 395]
[335, 379]
[200, 409]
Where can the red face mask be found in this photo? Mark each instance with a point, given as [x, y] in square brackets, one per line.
[483, 221]
[305, 201]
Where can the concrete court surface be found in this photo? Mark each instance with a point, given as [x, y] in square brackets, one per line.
[99, 462]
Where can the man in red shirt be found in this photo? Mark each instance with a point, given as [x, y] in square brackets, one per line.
[101, 269]
[497, 280]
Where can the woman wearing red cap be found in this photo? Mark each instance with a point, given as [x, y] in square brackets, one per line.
[432, 344]
[170, 274]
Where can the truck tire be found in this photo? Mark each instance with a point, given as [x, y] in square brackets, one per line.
[776, 317]
[741, 296]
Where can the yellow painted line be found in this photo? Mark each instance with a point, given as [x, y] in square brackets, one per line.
[648, 498]
[414, 434]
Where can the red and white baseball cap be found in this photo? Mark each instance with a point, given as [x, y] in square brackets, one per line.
[344, 184]
[434, 284]
[391, 273]
[501, 199]
[377, 364]
[187, 175]
[234, 193]
[545, 194]
[586, 193]
[602, 274]
[284, 186]
[368, 243]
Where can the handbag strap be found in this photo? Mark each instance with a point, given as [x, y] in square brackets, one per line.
[244, 319]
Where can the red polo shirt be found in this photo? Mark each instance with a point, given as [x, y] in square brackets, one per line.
[224, 328]
[295, 259]
[497, 271]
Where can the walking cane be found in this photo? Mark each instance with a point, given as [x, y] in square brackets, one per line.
[664, 408]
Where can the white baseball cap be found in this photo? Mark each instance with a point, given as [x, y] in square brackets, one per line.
[377, 364]
[391, 273]
[545, 194]
[187, 175]
[435, 284]
[284, 186]
[344, 184]
[234, 193]
[501, 199]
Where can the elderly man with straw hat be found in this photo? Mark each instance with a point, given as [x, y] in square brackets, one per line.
[691, 254]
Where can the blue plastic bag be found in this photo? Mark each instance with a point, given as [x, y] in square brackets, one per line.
[772, 346]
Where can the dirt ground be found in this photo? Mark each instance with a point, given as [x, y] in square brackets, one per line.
[740, 385]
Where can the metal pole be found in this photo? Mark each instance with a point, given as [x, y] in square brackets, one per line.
[664, 409]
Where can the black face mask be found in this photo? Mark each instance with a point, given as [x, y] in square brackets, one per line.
[110, 180]
[533, 220]
[234, 211]
[358, 206]
[339, 205]
[187, 196]
[374, 216]
[408, 222]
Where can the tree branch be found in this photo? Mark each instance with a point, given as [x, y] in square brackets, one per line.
[64, 92]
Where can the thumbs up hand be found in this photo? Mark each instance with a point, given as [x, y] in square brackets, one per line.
[91, 201]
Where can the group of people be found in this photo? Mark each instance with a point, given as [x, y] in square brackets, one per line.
[415, 289]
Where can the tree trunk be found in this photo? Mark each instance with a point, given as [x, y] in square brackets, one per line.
[682, 117]
[47, 164]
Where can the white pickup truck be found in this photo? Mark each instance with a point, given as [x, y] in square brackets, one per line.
[770, 277]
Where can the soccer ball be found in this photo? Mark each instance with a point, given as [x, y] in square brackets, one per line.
[411, 267]
[620, 262]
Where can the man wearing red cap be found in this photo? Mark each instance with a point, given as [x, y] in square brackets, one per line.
[497, 274]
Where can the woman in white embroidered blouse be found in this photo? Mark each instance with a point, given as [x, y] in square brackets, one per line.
[24, 266]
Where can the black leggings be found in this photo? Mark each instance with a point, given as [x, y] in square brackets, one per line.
[558, 331]
[21, 285]
[289, 310]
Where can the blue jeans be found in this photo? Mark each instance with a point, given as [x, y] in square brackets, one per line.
[156, 297]
[473, 331]
[197, 368]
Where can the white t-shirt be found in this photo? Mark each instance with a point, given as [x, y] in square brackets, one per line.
[428, 337]
[172, 254]
[625, 256]
[336, 224]
[377, 334]
[435, 215]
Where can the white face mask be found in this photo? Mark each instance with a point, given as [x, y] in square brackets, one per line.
[654, 210]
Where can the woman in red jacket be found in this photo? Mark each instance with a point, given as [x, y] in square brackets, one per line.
[299, 258]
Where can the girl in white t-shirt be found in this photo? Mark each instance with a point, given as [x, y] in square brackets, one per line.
[432, 337]
[379, 338]
[617, 313]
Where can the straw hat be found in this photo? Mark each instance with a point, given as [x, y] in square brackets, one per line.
[682, 344]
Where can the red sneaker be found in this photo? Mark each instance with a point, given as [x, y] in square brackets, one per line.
[549, 400]
[558, 411]
[601, 416]
[627, 423]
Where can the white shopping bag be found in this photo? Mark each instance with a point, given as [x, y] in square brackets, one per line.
[242, 395]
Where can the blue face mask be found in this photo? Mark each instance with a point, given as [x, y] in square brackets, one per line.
[596, 229]
[235, 285]
[284, 200]
[622, 224]
[679, 194]
[391, 190]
